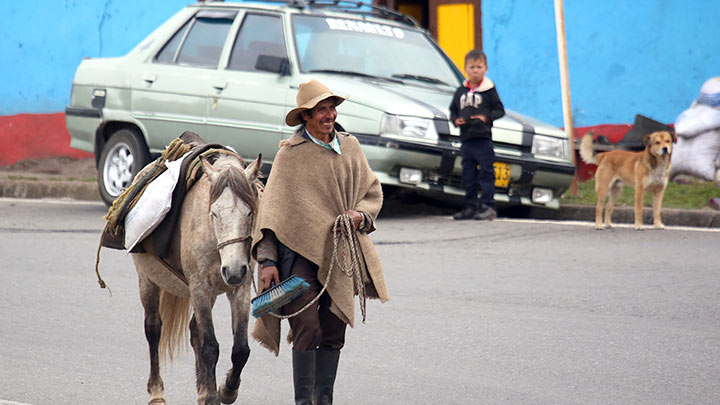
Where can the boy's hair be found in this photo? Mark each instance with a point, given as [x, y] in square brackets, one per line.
[475, 54]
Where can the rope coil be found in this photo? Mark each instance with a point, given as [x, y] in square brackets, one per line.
[343, 226]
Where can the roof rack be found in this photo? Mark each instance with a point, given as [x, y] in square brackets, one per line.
[355, 7]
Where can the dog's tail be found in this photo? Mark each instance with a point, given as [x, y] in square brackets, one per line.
[586, 149]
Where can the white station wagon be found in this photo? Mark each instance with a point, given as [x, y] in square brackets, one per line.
[230, 72]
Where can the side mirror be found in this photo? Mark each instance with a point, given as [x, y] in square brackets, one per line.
[274, 64]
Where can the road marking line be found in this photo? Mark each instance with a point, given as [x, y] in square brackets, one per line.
[592, 225]
[6, 402]
[49, 201]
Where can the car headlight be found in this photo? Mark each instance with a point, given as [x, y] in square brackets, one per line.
[411, 128]
[550, 146]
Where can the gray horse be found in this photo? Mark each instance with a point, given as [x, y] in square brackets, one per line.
[209, 255]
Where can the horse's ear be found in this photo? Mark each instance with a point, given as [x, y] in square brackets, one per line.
[253, 170]
[208, 169]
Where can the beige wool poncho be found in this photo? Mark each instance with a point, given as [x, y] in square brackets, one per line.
[308, 187]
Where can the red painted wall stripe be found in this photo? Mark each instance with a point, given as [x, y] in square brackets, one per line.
[34, 136]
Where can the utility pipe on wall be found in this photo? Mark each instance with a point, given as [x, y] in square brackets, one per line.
[565, 82]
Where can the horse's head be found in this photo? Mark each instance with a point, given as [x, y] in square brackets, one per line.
[233, 203]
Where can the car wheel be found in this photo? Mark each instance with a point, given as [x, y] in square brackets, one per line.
[122, 157]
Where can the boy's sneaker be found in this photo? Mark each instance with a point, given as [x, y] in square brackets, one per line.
[466, 213]
[486, 214]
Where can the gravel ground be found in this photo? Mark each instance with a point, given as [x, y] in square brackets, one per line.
[59, 168]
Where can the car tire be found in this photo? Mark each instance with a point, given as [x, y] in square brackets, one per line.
[122, 157]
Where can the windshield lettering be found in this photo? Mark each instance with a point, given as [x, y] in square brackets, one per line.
[338, 24]
[370, 49]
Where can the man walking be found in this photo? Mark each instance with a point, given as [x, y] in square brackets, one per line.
[318, 174]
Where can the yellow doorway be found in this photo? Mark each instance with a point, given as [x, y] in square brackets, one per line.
[456, 30]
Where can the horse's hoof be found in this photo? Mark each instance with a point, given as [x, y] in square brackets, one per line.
[227, 397]
[157, 401]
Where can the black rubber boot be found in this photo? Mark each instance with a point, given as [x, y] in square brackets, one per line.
[303, 376]
[485, 213]
[326, 365]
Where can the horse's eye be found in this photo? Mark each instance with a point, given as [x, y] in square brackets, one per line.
[214, 215]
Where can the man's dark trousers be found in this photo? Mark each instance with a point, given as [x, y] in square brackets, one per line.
[474, 153]
[316, 327]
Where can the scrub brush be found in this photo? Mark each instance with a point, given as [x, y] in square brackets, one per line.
[278, 295]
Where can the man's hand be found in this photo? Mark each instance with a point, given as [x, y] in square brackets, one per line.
[356, 218]
[459, 121]
[268, 274]
[479, 117]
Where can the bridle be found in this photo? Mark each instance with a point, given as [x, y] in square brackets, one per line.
[221, 245]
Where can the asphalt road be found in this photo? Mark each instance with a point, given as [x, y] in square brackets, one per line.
[508, 311]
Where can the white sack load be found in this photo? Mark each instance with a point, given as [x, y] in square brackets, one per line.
[696, 120]
[152, 206]
[698, 131]
[697, 156]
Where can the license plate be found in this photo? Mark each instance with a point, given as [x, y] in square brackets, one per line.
[502, 174]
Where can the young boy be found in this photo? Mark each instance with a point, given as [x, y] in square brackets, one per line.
[474, 107]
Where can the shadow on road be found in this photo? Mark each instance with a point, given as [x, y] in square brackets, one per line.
[399, 203]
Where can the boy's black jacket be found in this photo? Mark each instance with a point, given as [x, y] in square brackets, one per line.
[483, 100]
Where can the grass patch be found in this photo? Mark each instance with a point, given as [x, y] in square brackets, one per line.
[53, 178]
[85, 179]
[13, 177]
[695, 195]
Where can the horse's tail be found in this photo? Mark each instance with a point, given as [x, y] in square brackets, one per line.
[175, 316]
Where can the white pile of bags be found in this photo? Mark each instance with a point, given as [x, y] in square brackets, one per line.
[152, 206]
[697, 152]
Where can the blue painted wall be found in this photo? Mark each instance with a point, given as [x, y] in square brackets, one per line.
[43, 41]
[625, 57]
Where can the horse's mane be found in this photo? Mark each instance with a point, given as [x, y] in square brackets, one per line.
[231, 176]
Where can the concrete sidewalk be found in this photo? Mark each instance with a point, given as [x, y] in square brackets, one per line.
[40, 186]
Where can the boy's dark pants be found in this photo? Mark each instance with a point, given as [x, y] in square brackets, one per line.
[474, 153]
[316, 327]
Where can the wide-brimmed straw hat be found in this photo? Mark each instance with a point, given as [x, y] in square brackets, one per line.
[309, 95]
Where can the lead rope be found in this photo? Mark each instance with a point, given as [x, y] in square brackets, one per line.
[353, 267]
[97, 262]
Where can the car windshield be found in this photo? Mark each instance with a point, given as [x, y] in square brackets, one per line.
[356, 47]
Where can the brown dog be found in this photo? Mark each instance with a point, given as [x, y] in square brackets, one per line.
[646, 171]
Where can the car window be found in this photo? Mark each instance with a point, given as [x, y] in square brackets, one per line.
[200, 41]
[204, 42]
[167, 54]
[259, 34]
[350, 45]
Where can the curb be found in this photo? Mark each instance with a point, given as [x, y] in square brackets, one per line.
[71, 190]
[703, 218]
[87, 191]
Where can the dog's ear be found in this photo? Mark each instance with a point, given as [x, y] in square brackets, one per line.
[646, 140]
[673, 135]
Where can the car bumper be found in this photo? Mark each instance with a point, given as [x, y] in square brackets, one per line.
[441, 169]
[82, 123]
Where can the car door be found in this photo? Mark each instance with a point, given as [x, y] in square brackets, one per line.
[171, 92]
[246, 110]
